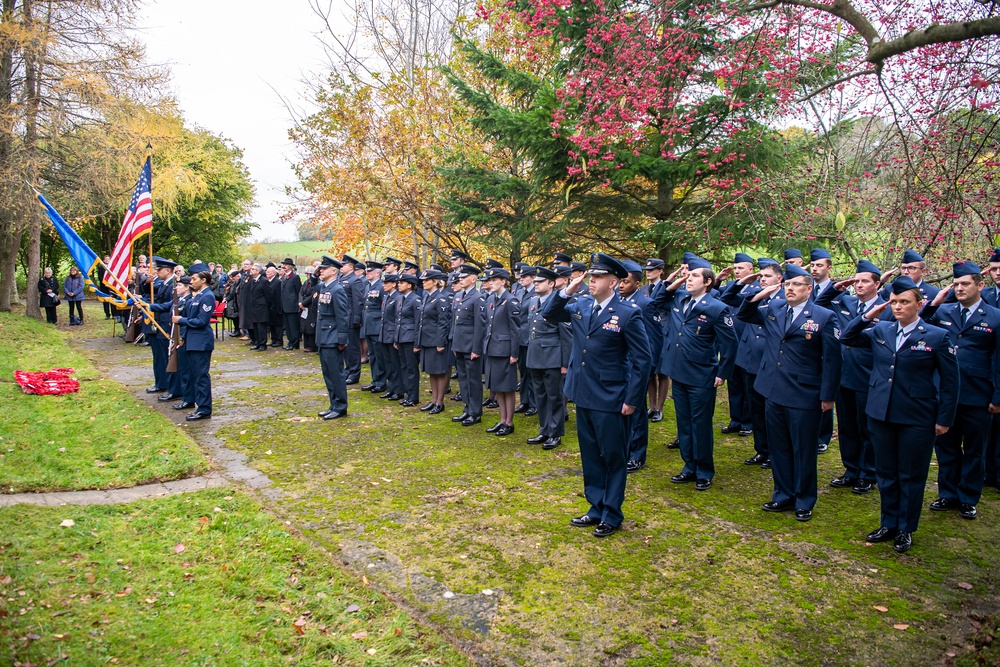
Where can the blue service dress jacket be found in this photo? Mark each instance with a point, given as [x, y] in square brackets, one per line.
[801, 365]
[702, 342]
[610, 362]
[195, 322]
[468, 325]
[917, 385]
[977, 347]
[752, 341]
[390, 302]
[371, 318]
[549, 343]
[332, 315]
[856, 370]
[162, 304]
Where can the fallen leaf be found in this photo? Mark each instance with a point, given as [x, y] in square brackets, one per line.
[353, 608]
[121, 594]
[881, 608]
[365, 581]
[300, 625]
[901, 626]
[361, 634]
[398, 632]
[179, 548]
[269, 452]
[384, 479]
[32, 637]
[150, 600]
[68, 523]
[371, 651]
[965, 586]
[4, 580]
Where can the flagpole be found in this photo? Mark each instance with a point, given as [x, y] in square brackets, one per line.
[138, 302]
[149, 156]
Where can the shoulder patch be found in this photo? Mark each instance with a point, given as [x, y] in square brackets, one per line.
[836, 333]
[728, 319]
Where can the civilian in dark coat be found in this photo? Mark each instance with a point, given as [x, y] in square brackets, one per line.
[433, 331]
[73, 289]
[256, 312]
[308, 305]
[291, 285]
[243, 300]
[48, 292]
[501, 347]
[275, 316]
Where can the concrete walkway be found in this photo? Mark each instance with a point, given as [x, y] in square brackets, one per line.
[115, 496]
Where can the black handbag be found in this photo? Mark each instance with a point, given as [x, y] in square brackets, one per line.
[55, 300]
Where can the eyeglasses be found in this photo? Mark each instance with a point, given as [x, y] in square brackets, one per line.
[799, 283]
[908, 268]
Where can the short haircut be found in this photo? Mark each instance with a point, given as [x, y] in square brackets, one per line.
[258, 266]
[708, 273]
[773, 268]
[636, 274]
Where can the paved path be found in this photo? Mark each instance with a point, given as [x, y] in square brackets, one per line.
[113, 496]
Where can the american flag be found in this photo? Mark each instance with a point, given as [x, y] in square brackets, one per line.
[138, 221]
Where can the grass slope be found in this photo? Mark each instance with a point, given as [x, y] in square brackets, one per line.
[202, 579]
[98, 438]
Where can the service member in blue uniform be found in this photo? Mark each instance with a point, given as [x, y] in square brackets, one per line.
[547, 360]
[198, 338]
[820, 265]
[740, 419]
[579, 269]
[799, 377]
[991, 295]
[161, 305]
[371, 326]
[629, 290]
[609, 364]
[913, 267]
[501, 348]
[467, 328]
[407, 316]
[792, 256]
[703, 339]
[974, 327]
[433, 336]
[856, 449]
[354, 287]
[180, 387]
[387, 339]
[912, 400]
[751, 349]
[523, 290]
[333, 324]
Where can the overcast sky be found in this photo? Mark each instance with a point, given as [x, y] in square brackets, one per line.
[232, 62]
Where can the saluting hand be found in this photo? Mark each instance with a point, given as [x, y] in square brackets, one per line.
[844, 284]
[574, 284]
[746, 280]
[673, 276]
[875, 311]
[942, 295]
[764, 293]
[725, 273]
[888, 274]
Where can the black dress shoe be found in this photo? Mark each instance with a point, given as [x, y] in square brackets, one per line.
[460, 418]
[730, 429]
[154, 390]
[822, 448]
[505, 429]
[520, 408]
[287, 347]
[843, 482]
[967, 511]
[604, 530]
[551, 443]
[376, 389]
[367, 387]
[195, 416]
[469, 421]
[803, 515]
[776, 507]
[861, 487]
[657, 416]
[168, 397]
[674, 444]
[746, 432]
[634, 466]
[184, 405]
[703, 485]
[902, 542]
[494, 428]
[584, 521]
[944, 504]
[456, 397]
[538, 439]
[260, 348]
[335, 415]
[354, 379]
[427, 408]
[766, 465]
[394, 397]
[883, 534]
[531, 412]
[324, 413]
[454, 376]
[436, 410]
[386, 394]
[683, 478]
[491, 404]
[275, 344]
[755, 460]
[407, 403]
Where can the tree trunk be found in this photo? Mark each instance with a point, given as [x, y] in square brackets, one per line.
[10, 243]
[32, 95]
[10, 236]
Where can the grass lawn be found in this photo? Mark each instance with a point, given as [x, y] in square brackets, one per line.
[97, 438]
[201, 579]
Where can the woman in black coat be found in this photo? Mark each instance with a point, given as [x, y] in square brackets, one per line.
[308, 303]
[48, 295]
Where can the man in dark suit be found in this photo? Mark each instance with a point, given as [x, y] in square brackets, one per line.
[276, 318]
[974, 327]
[703, 339]
[856, 449]
[332, 326]
[371, 326]
[609, 364]
[291, 286]
[355, 289]
[912, 400]
[244, 323]
[799, 378]
[467, 328]
[257, 306]
[547, 360]
[629, 290]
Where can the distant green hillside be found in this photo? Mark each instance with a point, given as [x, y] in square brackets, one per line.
[302, 252]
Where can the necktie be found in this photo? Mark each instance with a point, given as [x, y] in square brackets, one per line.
[597, 311]
[687, 306]
[789, 316]
[965, 316]
[862, 308]
[901, 337]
